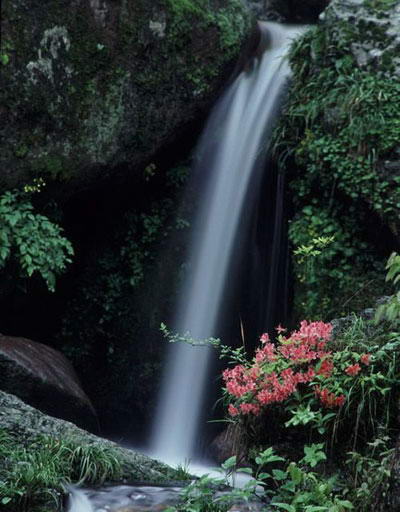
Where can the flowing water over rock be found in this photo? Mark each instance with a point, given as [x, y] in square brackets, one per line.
[232, 152]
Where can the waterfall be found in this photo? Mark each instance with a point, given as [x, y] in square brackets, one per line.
[232, 152]
[78, 501]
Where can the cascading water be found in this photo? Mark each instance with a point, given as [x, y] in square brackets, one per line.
[232, 151]
[78, 501]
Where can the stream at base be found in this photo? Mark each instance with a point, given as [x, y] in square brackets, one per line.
[141, 498]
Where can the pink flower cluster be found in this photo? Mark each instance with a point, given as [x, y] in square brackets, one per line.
[328, 399]
[353, 370]
[276, 388]
[278, 370]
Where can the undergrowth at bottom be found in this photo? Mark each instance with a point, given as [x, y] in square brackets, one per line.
[32, 476]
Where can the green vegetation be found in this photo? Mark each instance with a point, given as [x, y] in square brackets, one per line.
[335, 271]
[297, 486]
[390, 311]
[32, 477]
[338, 139]
[31, 239]
[230, 27]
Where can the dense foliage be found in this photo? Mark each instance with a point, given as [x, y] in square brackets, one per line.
[338, 139]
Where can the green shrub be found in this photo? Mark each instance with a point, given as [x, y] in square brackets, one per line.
[31, 239]
[339, 137]
[334, 271]
[390, 311]
[283, 484]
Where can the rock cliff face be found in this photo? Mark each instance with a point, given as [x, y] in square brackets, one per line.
[88, 86]
[374, 36]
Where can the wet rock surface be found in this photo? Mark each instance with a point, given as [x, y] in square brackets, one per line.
[45, 379]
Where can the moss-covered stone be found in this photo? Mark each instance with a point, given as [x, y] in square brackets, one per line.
[89, 86]
[34, 448]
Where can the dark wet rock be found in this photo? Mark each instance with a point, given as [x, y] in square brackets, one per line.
[288, 10]
[25, 424]
[230, 442]
[88, 87]
[44, 378]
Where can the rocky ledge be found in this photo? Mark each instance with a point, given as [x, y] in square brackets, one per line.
[26, 425]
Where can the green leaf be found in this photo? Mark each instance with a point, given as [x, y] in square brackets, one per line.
[229, 463]
[296, 473]
[249, 471]
[264, 476]
[279, 474]
[284, 506]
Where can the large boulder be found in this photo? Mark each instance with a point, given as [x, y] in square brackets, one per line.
[90, 86]
[44, 378]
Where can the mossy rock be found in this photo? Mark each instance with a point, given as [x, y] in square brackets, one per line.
[27, 425]
[341, 122]
[40, 454]
[88, 87]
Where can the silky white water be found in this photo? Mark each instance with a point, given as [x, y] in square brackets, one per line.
[233, 148]
[78, 501]
[232, 151]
